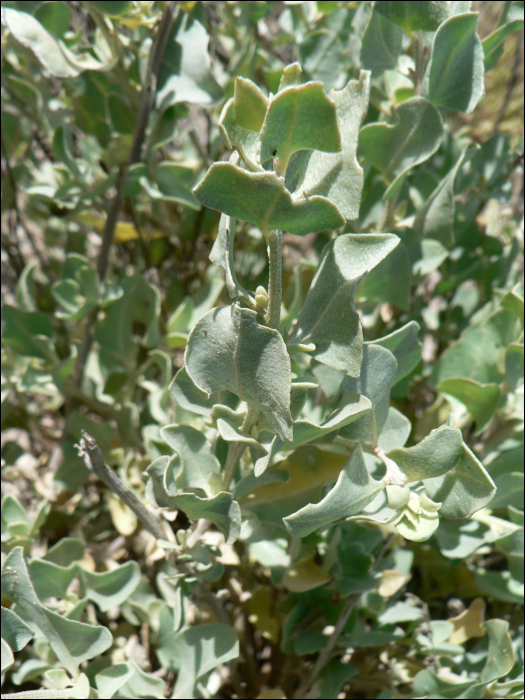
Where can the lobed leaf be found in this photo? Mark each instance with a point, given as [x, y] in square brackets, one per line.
[262, 199]
[328, 317]
[353, 490]
[299, 117]
[338, 176]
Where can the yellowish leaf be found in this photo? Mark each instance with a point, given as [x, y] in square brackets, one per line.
[259, 609]
[303, 575]
[124, 519]
[391, 582]
[468, 624]
[187, 6]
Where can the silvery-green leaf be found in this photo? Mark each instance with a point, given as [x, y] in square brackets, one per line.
[382, 44]
[188, 396]
[308, 469]
[464, 489]
[109, 589]
[350, 408]
[395, 148]
[156, 492]
[338, 176]
[328, 318]
[299, 118]
[222, 254]
[501, 656]
[8, 658]
[199, 468]
[228, 349]
[231, 433]
[353, 490]
[234, 136]
[221, 510]
[250, 105]
[198, 650]
[435, 219]
[262, 199]
[481, 400]
[395, 431]
[53, 54]
[457, 52]
[185, 74]
[493, 44]
[73, 642]
[291, 76]
[405, 346]
[14, 630]
[432, 457]
[375, 381]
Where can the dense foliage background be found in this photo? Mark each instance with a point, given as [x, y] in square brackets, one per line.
[109, 119]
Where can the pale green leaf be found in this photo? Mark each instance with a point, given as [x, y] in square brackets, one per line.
[188, 396]
[395, 148]
[291, 76]
[7, 658]
[500, 657]
[250, 105]
[14, 630]
[221, 510]
[456, 72]
[479, 353]
[437, 454]
[185, 74]
[299, 117]
[51, 580]
[198, 650]
[110, 589]
[405, 346]
[262, 199]
[435, 219]
[493, 44]
[514, 364]
[53, 54]
[228, 349]
[382, 44]
[328, 317]
[395, 431]
[353, 490]
[481, 400]
[413, 16]
[350, 408]
[111, 679]
[338, 176]
[199, 468]
[236, 137]
[73, 642]
[309, 469]
[375, 381]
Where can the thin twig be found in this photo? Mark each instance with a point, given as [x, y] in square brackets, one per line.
[326, 653]
[148, 99]
[94, 461]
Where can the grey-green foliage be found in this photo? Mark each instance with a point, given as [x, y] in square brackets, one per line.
[299, 440]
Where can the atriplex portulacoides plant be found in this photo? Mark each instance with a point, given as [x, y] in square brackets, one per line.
[294, 169]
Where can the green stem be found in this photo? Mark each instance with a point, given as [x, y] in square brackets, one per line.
[275, 283]
[236, 449]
